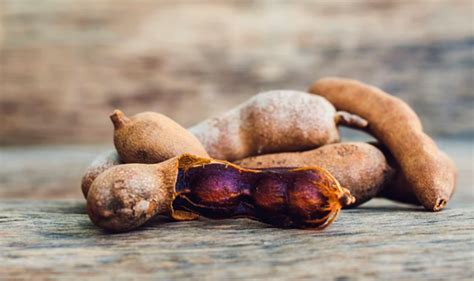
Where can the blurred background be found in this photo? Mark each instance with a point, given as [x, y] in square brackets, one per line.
[65, 65]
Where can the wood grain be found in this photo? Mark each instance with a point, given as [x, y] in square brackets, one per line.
[66, 64]
[56, 240]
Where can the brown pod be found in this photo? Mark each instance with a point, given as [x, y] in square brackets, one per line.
[430, 173]
[101, 163]
[275, 121]
[359, 167]
[126, 196]
[151, 137]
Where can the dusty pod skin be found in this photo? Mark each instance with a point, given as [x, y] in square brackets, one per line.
[431, 175]
[359, 167]
[151, 137]
[274, 121]
[101, 163]
[126, 196]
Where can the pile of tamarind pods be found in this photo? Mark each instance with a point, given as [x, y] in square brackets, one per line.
[275, 158]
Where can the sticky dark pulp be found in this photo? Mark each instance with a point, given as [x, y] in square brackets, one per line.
[277, 196]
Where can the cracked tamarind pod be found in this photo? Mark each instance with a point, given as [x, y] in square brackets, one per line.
[274, 121]
[124, 197]
[430, 174]
[359, 167]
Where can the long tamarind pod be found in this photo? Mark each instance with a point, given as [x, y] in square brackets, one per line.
[126, 196]
[429, 172]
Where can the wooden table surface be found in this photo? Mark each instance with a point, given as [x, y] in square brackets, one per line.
[54, 239]
[380, 241]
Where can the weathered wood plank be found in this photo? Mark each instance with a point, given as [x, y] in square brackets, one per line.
[55, 240]
[64, 65]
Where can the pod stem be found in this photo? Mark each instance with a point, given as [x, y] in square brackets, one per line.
[350, 120]
[119, 119]
[347, 199]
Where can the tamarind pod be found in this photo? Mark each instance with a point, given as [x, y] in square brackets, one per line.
[126, 196]
[274, 121]
[430, 173]
[359, 167]
[151, 137]
[101, 163]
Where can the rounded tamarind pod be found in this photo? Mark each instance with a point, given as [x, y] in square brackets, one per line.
[126, 196]
[151, 137]
[430, 173]
[101, 163]
[359, 167]
[274, 121]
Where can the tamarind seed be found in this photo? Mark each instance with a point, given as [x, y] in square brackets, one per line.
[270, 193]
[213, 185]
[304, 200]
